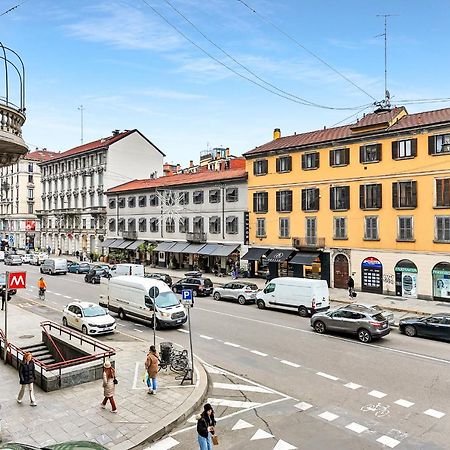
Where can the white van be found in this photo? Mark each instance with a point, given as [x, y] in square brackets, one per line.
[127, 269]
[304, 295]
[129, 296]
[54, 266]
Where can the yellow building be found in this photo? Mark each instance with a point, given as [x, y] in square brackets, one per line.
[370, 199]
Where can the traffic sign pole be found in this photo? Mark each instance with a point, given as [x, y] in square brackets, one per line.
[186, 297]
[6, 315]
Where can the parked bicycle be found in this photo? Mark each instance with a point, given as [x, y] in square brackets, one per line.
[178, 362]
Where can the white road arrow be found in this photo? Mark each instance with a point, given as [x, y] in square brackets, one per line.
[281, 445]
[261, 434]
[241, 424]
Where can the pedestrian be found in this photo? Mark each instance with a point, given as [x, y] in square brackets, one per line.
[268, 276]
[351, 286]
[49, 250]
[205, 428]
[26, 378]
[109, 386]
[151, 366]
[3, 294]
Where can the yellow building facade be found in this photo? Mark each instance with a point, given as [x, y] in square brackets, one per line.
[370, 199]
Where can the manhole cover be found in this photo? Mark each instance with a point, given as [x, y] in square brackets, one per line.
[27, 336]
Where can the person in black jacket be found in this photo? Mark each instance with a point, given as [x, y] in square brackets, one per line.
[205, 427]
[351, 287]
[26, 378]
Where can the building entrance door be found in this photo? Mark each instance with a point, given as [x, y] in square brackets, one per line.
[340, 271]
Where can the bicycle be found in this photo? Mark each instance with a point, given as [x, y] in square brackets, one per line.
[41, 294]
[178, 361]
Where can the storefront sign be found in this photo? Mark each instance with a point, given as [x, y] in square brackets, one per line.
[246, 228]
[30, 225]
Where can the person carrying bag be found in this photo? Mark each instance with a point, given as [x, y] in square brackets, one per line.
[205, 428]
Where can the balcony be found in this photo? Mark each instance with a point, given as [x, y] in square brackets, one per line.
[308, 243]
[130, 234]
[196, 237]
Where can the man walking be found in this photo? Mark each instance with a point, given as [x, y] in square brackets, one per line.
[351, 287]
[26, 378]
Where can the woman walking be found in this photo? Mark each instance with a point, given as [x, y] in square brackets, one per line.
[205, 427]
[109, 386]
[151, 365]
[26, 378]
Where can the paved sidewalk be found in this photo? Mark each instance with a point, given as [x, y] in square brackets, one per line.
[75, 413]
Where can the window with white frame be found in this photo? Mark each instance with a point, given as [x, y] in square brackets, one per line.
[232, 225]
[153, 200]
[197, 197]
[170, 225]
[198, 225]
[121, 202]
[154, 225]
[340, 228]
[284, 227]
[261, 227]
[442, 229]
[371, 228]
[405, 231]
[142, 224]
[184, 198]
[142, 201]
[183, 224]
[214, 225]
[121, 224]
[112, 224]
[232, 195]
[404, 149]
[131, 224]
[214, 196]
[131, 202]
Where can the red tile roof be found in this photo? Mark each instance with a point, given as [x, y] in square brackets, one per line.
[41, 155]
[423, 119]
[181, 179]
[382, 117]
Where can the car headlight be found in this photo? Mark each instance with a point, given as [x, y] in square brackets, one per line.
[92, 324]
[165, 314]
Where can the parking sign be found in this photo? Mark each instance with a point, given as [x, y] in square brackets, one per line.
[186, 296]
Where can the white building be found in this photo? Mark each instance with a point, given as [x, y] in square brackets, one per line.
[20, 197]
[73, 184]
[192, 219]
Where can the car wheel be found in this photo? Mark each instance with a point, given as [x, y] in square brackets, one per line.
[260, 304]
[122, 314]
[93, 281]
[302, 311]
[364, 336]
[65, 322]
[84, 330]
[319, 327]
[410, 330]
[241, 300]
[216, 296]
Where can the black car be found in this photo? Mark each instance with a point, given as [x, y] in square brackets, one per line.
[93, 276]
[160, 276]
[199, 286]
[3, 287]
[436, 326]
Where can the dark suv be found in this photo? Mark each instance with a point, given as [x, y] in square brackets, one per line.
[160, 276]
[93, 276]
[199, 286]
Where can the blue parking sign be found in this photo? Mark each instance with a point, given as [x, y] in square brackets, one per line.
[186, 296]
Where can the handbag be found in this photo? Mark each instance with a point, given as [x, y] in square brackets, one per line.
[115, 381]
[215, 439]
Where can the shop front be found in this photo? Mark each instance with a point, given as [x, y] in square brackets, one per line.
[258, 265]
[306, 265]
[372, 275]
[441, 282]
[406, 279]
[278, 263]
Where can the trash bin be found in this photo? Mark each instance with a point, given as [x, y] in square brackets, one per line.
[165, 351]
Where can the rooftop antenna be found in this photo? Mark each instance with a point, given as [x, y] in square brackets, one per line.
[81, 109]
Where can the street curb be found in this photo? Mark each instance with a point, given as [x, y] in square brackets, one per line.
[194, 401]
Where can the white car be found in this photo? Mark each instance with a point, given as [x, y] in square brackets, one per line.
[26, 258]
[241, 291]
[36, 259]
[89, 318]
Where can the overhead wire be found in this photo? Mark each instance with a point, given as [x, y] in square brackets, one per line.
[13, 8]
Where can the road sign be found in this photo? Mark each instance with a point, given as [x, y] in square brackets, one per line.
[153, 292]
[186, 296]
[17, 280]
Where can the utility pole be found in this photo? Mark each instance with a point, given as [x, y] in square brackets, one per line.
[81, 109]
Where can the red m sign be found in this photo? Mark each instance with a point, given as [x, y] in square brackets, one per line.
[17, 280]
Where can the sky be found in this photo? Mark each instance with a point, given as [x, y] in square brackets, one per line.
[131, 69]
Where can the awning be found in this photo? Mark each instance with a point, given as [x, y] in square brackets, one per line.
[224, 250]
[108, 243]
[304, 258]
[193, 248]
[134, 245]
[208, 249]
[279, 255]
[254, 254]
[164, 246]
[179, 247]
[123, 244]
[117, 243]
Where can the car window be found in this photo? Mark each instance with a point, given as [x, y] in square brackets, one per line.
[356, 316]
[76, 310]
[228, 286]
[269, 288]
[340, 314]
[378, 317]
[435, 319]
[207, 282]
[72, 309]
[94, 311]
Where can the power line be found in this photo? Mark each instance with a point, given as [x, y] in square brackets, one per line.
[13, 8]
[350, 117]
[265, 19]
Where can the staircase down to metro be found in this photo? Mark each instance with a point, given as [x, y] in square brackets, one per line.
[40, 352]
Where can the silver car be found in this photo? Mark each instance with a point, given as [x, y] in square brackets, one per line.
[371, 307]
[13, 260]
[241, 291]
[365, 325]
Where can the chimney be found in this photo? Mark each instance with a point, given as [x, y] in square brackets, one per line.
[276, 134]
[115, 132]
[178, 168]
[227, 152]
[217, 154]
[191, 163]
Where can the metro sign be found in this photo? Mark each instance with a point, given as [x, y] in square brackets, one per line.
[17, 280]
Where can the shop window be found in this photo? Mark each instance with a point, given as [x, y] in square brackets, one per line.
[441, 281]
[310, 161]
[405, 230]
[405, 279]
[340, 198]
[284, 164]
[404, 149]
[214, 225]
[260, 227]
[284, 227]
[370, 196]
[260, 202]
[370, 153]
[260, 167]
[310, 199]
[340, 157]
[404, 194]
[284, 201]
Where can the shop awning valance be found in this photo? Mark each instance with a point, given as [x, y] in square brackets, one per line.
[208, 249]
[108, 242]
[179, 247]
[279, 255]
[117, 243]
[134, 245]
[304, 258]
[164, 246]
[224, 250]
[193, 248]
[254, 254]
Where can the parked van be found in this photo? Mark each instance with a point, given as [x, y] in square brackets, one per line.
[304, 295]
[127, 269]
[129, 296]
[54, 265]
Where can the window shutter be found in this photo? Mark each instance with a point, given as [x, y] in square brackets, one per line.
[289, 163]
[431, 145]
[278, 164]
[394, 195]
[414, 147]
[362, 191]
[316, 199]
[379, 152]
[332, 199]
[265, 201]
[379, 195]
[289, 200]
[278, 201]
[304, 199]
[347, 155]
[361, 154]
[347, 197]
[303, 161]
[255, 202]
[255, 165]
[414, 193]
[265, 166]
[316, 160]
[332, 157]
[394, 149]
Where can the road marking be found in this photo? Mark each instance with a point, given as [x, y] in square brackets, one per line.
[328, 416]
[232, 403]
[377, 394]
[289, 363]
[165, 444]
[136, 329]
[138, 325]
[209, 338]
[241, 387]
[57, 293]
[121, 324]
[255, 352]
[303, 406]
[352, 386]
[356, 427]
[211, 369]
[434, 413]
[404, 403]
[241, 424]
[261, 434]
[325, 375]
[67, 296]
[282, 445]
[231, 344]
[50, 292]
[182, 331]
[52, 301]
[388, 441]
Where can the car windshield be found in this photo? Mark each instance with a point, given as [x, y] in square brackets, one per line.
[253, 287]
[208, 282]
[166, 299]
[94, 311]
[379, 317]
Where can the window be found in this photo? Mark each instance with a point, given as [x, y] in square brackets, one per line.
[260, 167]
[443, 193]
[84, 224]
[121, 224]
[284, 164]
[112, 224]
[340, 157]
[405, 229]
[260, 227]
[214, 196]
[404, 149]
[183, 225]
[198, 225]
[154, 225]
[142, 201]
[131, 202]
[197, 197]
[121, 202]
[311, 230]
[142, 224]
[232, 225]
[284, 227]
[404, 194]
[260, 202]
[111, 203]
[310, 161]
[310, 199]
[30, 208]
[231, 194]
[131, 224]
[170, 198]
[184, 198]
[284, 201]
[30, 167]
[340, 198]
[30, 194]
[93, 224]
[30, 178]
[269, 288]
[170, 225]
[442, 229]
[438, 145]
[370, 153]
[153, 200]
[340, 228]
[370, 196]
[214, 225]
[371, 228]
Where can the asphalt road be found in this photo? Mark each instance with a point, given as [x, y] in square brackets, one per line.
[281, 386]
